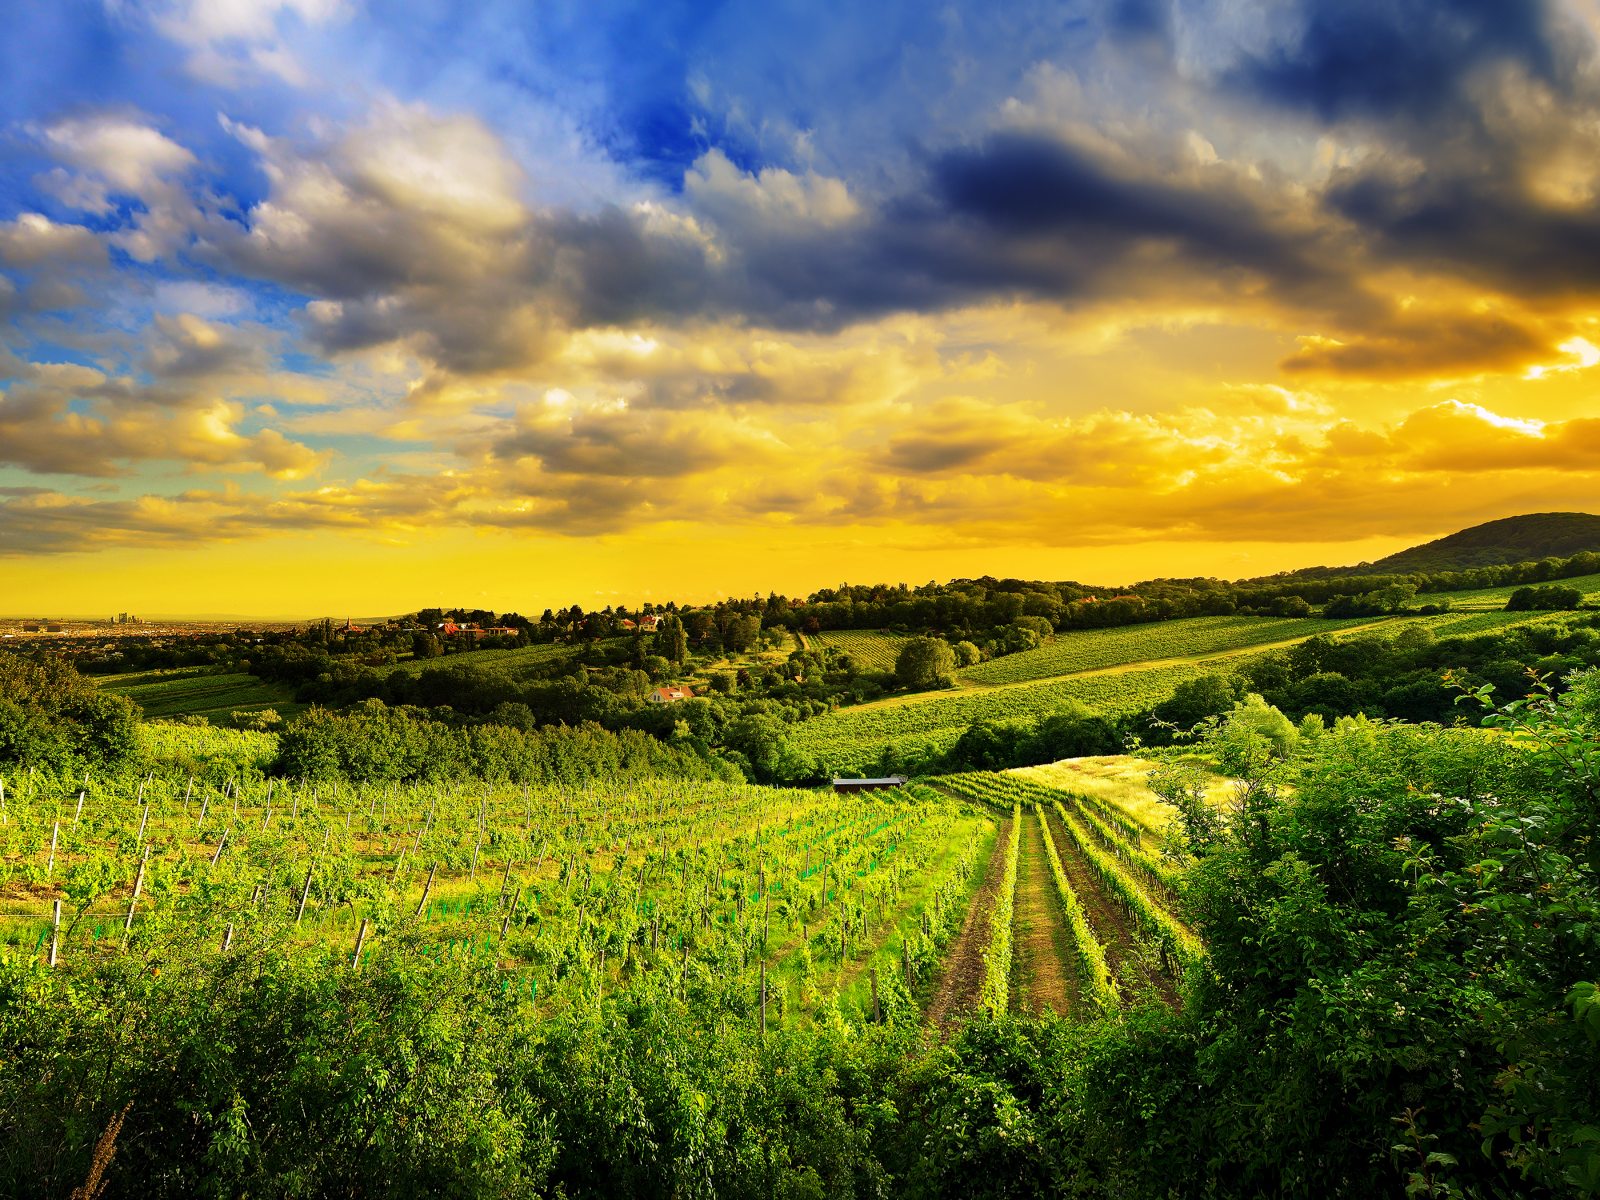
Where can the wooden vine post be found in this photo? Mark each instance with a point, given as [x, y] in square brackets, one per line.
[361, 937]
[305, 893]
[138, 886]
[426, 888]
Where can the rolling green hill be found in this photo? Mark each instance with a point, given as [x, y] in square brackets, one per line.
[1525, 538]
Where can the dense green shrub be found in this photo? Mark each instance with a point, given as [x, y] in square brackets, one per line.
[374, 742]
[1549, 597]
[55, 719]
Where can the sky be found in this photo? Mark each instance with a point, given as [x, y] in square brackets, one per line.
[329, 306]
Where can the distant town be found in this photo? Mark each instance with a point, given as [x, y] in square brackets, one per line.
[108, 638]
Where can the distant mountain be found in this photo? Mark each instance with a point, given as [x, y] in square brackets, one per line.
[1529, 537]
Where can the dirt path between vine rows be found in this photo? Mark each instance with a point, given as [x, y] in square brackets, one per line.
[1042, 975]
[956, 991]
[1107, 919]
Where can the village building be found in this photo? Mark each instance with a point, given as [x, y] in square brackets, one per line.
[669, 694]
[869, 785]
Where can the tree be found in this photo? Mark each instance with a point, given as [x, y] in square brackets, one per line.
[1551, 597]
[967, 655]
[672, 642]
[925, 663]
[1252, 730]
[741, 633]
[1196, 699]
[52, 716]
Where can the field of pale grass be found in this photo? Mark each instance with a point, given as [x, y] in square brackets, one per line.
[1119, 780]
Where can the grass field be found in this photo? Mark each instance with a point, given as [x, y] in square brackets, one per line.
[1119, 780]
[211, 696]
[1090, 649]
[1465, 624]
[873, 651]
[1496, 597]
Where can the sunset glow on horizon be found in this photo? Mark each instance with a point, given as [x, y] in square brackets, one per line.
[325, 307]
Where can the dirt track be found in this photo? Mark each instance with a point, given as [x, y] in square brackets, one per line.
[956, 991]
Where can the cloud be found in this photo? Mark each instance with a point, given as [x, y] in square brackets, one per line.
[1445, 344]
[241, 41]
[53, 523]
[112, 155]
[1053, 315]
[67, 418]
[609, 439]
[1417, 59]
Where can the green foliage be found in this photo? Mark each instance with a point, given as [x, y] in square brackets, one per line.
[925, 663]
[1545, 598]
[1252, 728]
[374, 742]
[53, 718]
[1193, 700]
[233, 749]
[671, 641]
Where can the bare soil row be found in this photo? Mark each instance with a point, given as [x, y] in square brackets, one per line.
[956, 991]
[1044, 971]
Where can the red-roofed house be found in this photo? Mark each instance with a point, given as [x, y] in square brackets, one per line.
[669, 694]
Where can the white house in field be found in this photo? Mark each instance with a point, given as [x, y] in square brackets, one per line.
[669, 694]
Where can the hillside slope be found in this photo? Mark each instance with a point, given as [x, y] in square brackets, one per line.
[1529, 537]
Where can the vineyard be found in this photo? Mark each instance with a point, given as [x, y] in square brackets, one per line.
[1119, 781]
[770, 905]
[644, 986]
[206, 695]
[1115, 892]
[1496, 597]
[1095, 649]
[509, 664]
[778, 908]
[246, 748]
[854, 738]
[1465, 624]
[873, 651]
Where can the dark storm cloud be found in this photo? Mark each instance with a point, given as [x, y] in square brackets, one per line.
[1400, 59]
[414, 229]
